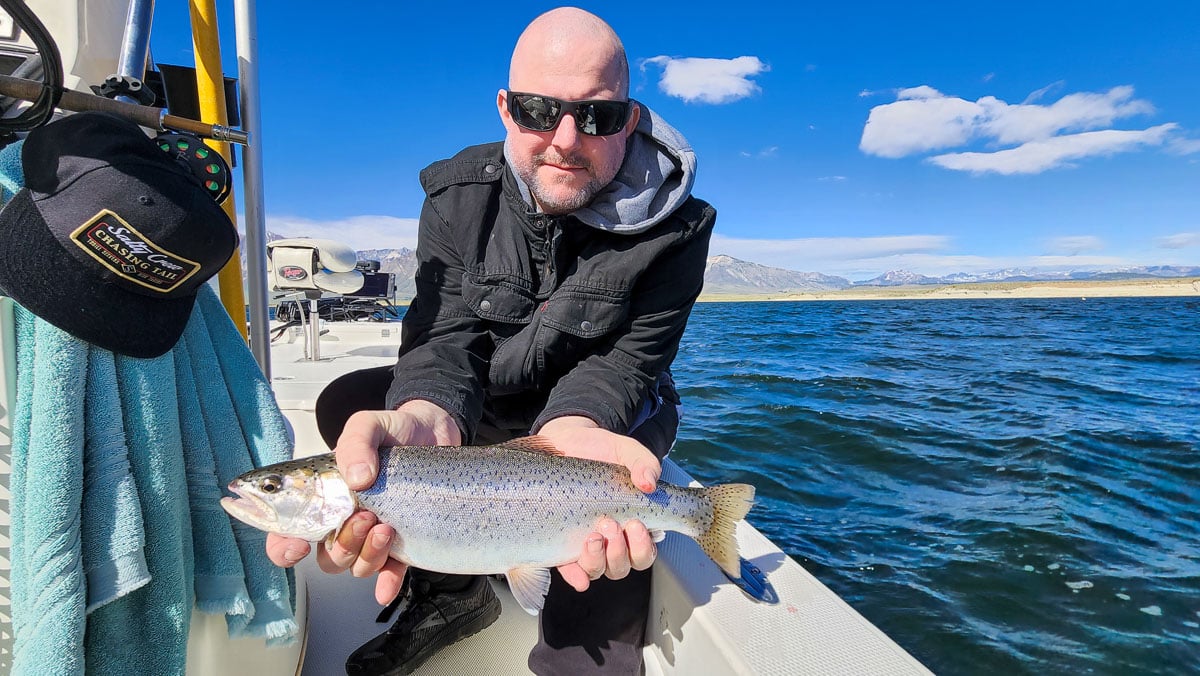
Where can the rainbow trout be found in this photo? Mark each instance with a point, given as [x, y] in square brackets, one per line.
[518, 508]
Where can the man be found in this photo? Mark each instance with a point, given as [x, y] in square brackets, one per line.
[556, 274]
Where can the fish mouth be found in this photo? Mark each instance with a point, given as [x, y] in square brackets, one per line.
[249, 508]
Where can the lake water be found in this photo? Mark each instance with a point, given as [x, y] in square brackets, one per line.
[1009, 486]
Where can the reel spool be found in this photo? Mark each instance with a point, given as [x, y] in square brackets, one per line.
[206, 164]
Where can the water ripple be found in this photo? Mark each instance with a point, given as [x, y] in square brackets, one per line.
[1006, 485]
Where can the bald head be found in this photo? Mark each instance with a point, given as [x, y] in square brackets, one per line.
[574, 46]
[567, 55]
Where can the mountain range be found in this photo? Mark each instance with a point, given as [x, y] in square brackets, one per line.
[726, 275]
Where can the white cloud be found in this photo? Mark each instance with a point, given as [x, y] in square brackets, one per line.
[1184, 146]
[1074, 245]
[1181, 240]
[1038, 156]
[861, 258]
[921, 92]
[846, 256]
[769, 151]
[1074, 112]
[705, 80]
[1058, 262]
[923, 120]
[1038, 94]
[358, 232]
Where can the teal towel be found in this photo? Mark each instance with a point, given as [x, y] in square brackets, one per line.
[47, 576]
[145, 631]
[258, 438]
[12, 174]
[118, 468]
[114, 538]
[219, 577]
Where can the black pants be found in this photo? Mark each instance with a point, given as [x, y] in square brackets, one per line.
[599, 631]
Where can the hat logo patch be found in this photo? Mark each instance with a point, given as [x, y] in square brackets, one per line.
[130, 255]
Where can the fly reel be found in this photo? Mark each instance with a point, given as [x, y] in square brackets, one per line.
[206, 164]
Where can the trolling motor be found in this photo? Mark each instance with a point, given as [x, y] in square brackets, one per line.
[313, 266]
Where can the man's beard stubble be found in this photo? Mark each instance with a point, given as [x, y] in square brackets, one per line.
[578, 199]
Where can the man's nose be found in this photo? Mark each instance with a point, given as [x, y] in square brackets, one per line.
[566, 134]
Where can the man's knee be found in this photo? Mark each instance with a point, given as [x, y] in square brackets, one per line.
[364, 390]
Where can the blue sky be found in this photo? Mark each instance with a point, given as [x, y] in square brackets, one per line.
[844, 138]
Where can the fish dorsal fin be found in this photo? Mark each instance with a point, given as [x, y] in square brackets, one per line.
[529, 587]
[532, 444]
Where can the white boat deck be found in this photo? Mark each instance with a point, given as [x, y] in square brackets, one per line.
[700, 623]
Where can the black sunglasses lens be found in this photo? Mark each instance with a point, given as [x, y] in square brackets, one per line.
[539, 113]
[601, 118]
[594, 118]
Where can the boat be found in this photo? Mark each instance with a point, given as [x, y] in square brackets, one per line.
[784, 620]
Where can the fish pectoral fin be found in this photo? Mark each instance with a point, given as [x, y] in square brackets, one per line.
[529, 587]
[657, 535]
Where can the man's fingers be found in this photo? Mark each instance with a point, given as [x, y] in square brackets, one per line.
[593, 561]
[348, 544]
[575, 576]
[374, 553]
[616, 553]
[642, 550]
[286, 552]
[644, 468]
[357, 449]
[391, 578]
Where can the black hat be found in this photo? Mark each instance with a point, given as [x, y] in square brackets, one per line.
[111, 238]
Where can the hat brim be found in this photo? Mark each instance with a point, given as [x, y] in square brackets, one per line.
[45, 279]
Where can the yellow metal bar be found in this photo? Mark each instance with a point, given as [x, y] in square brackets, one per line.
[210, 87]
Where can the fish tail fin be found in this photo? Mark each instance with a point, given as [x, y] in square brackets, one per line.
[730, 503]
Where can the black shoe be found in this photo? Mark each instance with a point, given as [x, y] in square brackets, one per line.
[429, 621]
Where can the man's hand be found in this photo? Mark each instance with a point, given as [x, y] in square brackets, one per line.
[611, 551]
[362, 545]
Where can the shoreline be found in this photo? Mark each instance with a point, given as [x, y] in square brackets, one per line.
[1082, 289]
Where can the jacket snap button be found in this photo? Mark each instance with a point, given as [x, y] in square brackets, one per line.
[485, 305]
[490, 168]
[585, 325]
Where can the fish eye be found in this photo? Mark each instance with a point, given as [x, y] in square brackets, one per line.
[270, 484]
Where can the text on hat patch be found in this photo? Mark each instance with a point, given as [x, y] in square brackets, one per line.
[118, 246]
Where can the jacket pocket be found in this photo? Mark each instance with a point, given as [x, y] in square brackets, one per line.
[585, 313]
[498, 298]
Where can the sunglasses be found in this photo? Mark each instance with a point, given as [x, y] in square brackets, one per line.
[537, 112]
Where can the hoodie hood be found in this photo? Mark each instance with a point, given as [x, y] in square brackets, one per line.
[655, 179]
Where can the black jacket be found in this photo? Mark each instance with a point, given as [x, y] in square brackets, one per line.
[521, 317]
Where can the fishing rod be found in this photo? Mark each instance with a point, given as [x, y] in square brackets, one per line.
[146, 116]
[50, 94]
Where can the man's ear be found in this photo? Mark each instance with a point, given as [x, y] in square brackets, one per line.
[502, 105]
[634, 115]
